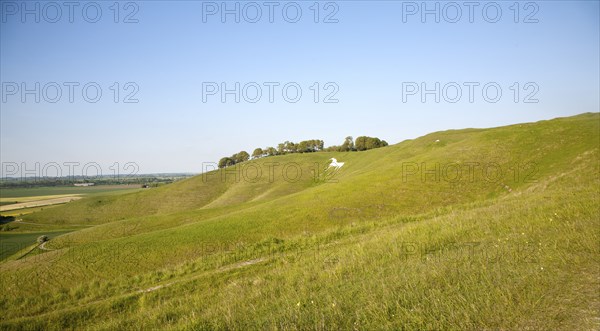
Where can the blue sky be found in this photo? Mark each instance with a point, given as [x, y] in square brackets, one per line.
[368, 54]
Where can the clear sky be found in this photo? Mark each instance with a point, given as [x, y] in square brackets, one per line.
[374, 53]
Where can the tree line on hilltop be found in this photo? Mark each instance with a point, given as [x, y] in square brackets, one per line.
[361, 143]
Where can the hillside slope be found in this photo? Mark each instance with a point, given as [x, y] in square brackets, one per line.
[536, 149]
[233, 245]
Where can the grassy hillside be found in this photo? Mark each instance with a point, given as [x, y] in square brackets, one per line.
[476, 228]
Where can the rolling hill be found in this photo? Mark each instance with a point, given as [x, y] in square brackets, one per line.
[474, 228]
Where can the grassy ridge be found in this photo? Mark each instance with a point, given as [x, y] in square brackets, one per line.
[374, 245]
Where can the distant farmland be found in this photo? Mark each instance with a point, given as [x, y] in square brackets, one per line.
[62, 190]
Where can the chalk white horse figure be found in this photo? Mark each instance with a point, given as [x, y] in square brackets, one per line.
[335, 164]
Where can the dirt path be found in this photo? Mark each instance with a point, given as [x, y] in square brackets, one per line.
[42, 246]
[222, 269]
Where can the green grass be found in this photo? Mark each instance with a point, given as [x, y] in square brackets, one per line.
[373, 247]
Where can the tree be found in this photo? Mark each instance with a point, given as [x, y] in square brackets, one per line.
[364, 143]
[373, 143]
[241, 157]
[313, 145]
[348, 145]
[258, 153]
[333, 148]
[290, 147]
[361, 143]
[304, 146]
[226, 162]
[320, 145]
[280, 149]
[271, 151]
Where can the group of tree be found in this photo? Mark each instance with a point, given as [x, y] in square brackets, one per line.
[362, 143]
[235, 158]
[306, 146]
